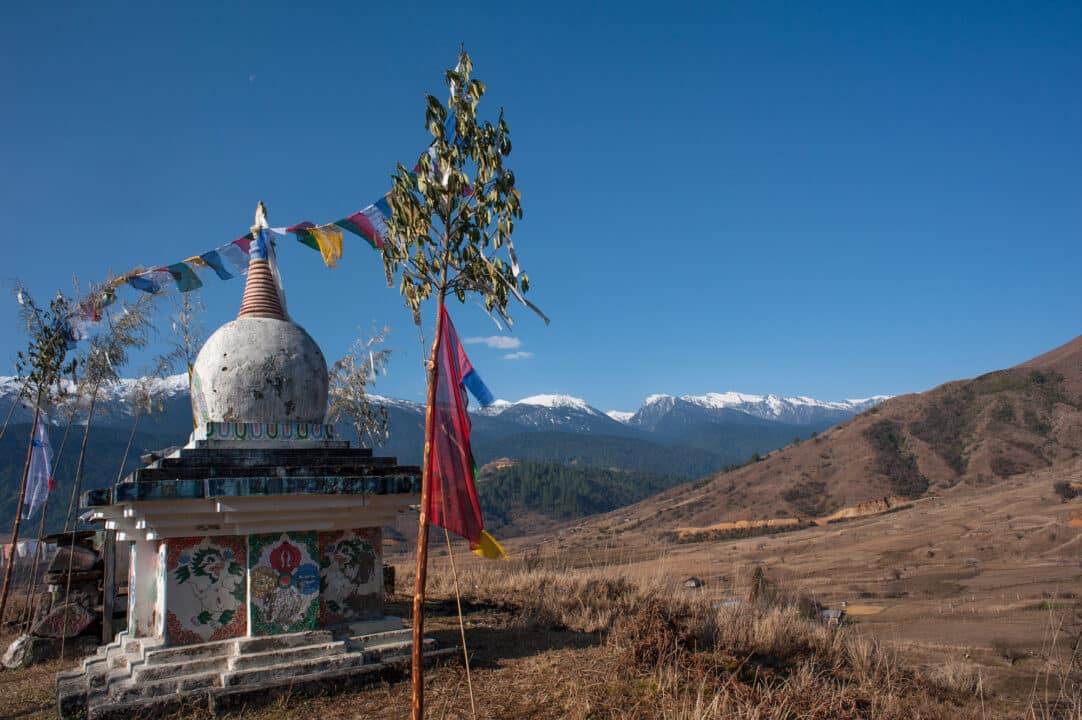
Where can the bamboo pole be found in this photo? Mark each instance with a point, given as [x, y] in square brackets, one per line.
[19, 510]
[417, 683]
[461, 623]
[76, 484]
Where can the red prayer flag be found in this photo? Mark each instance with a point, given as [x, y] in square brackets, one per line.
[452, 497]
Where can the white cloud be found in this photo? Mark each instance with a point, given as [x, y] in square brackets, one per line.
[521, 355]
[496, 342]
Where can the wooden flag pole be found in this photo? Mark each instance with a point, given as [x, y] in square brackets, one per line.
[417, 689]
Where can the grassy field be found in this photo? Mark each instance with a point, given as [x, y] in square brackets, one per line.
[550, 642]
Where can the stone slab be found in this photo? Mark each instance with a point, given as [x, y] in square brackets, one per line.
[65, 620]
[80, 558]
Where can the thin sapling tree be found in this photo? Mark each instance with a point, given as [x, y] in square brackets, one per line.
[350, 379]
[42, 365]
[452, 222]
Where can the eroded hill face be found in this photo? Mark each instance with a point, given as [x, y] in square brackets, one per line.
[973, 432]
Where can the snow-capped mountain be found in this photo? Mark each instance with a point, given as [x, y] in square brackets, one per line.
[115, 403]
[661, 418]
[561, 413]
[658, 410]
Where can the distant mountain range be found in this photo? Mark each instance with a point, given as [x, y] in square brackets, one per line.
[687, 436]
[963, 436]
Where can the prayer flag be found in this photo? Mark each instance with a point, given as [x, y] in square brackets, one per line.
[185, 277]
[235, 255]
[39, 481]
[215, 262]
[150, 281]
[452, 497]
[329, 242]
[244, 242]
[378, 221]
[359, 224]
[303, 233]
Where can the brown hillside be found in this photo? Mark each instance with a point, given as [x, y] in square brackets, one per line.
[970, 432]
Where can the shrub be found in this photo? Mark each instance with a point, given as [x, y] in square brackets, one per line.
[1065, 490]
[894, 461]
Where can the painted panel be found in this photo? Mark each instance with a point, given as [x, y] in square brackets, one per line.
[350, 576]
[205, 589]
[283, 582]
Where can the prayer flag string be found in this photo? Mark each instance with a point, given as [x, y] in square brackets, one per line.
[230, 260]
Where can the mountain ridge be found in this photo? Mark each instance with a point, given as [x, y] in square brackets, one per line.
[962, 434]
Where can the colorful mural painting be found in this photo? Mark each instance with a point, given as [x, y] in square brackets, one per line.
[205, 590]
[350, 576]
[284, 582]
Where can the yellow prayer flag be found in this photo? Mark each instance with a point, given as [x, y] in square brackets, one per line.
[488, 548]
[197, 261]
[329, 239]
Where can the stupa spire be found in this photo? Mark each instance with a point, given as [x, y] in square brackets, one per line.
[261, 297]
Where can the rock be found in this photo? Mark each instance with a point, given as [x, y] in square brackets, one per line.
[81, 559]
[27, 650]
[55, 625]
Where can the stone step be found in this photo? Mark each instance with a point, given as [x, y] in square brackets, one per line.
[188, 653]
[103, 677]
[95, 663]
[248, 645]
[392, 649]
[391, 636]
[296, 670]
[252, 660]
[431, 655]
[129, 690]
[162, 671]
[386, 652]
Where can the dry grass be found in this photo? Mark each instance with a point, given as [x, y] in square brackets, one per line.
[547, 643]
[661, 654]
[29, 694]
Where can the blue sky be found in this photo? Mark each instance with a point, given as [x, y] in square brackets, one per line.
[829, 200]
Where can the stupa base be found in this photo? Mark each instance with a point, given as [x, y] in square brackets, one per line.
[141, 677]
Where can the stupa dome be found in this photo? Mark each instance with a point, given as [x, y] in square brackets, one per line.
[261, 367]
